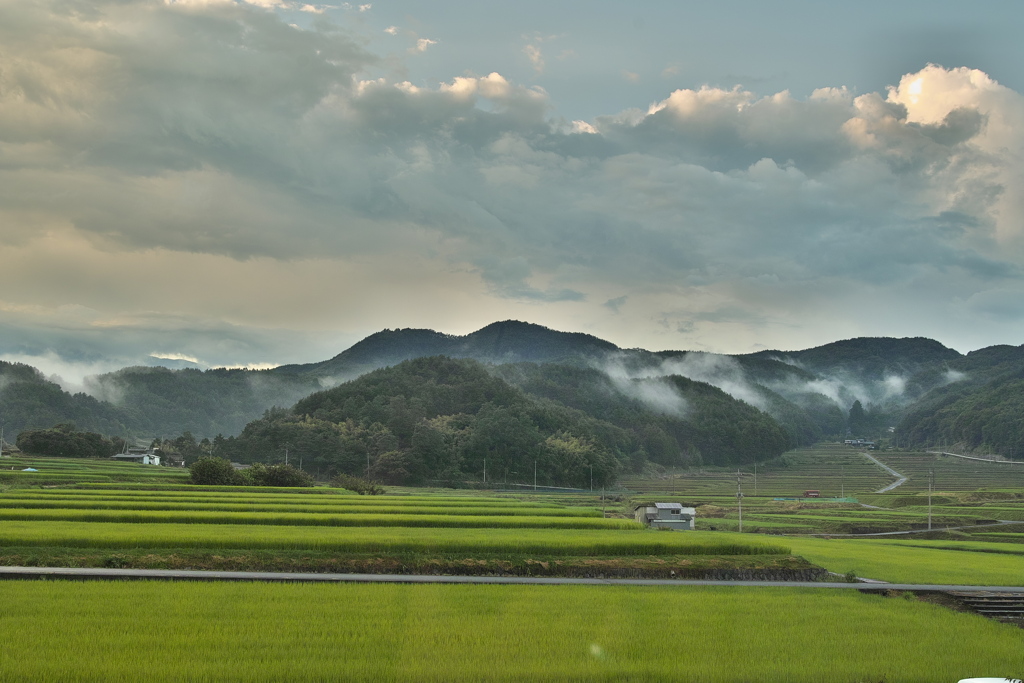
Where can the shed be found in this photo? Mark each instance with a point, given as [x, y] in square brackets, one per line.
[141, 458]
[666, 516]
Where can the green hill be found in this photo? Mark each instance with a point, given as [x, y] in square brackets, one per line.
[439, 418]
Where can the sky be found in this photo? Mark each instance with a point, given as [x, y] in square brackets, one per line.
[251, 183]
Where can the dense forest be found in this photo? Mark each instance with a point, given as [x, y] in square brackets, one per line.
[30, 401]
[913, 391]
[981, 412]
[441, 419]
[64, 440]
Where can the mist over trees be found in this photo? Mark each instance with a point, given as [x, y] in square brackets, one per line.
[439, 419]
[545, 392]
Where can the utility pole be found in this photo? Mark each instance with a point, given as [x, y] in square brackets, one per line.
[591, 478]
[485, 471]
[534, 475]
[739, 499]
[285, 455]
[755, 478]
[367, 465]
[842, 481]
[931, 482]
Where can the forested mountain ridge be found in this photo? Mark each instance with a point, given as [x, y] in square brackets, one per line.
[868, 357]
[438, 418]
[30, 401]
[979, 408]
[157, 401]
[918, 384]
[509, 341]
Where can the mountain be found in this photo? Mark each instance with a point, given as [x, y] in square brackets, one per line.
[439, 418]
[30, 401]
[510, 341]
[975, 405]
[872, 358]
[930, 394]
[156, 401]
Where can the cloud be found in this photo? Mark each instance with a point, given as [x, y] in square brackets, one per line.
[220, 145]
[422, 44]
[616, 303]
[649, 388]
[175, 356]
[720, 371]
[535, 56]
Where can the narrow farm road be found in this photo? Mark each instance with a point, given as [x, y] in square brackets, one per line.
[975, 527]
[184, 575]
[901, 479]
[970, 457]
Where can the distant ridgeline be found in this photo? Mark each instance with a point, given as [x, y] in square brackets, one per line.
[513, 393]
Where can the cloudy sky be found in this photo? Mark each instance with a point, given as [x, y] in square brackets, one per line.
[255, 183]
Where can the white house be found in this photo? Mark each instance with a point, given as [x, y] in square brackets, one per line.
[666, 516]
[141, 458]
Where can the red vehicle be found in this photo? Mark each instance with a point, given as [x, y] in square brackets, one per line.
[812, 494]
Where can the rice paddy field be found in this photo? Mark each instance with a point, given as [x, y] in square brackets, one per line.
[131, 631]
[170, 524]
[968, 496]
[57, 471]
[112, 514]
[917, 561]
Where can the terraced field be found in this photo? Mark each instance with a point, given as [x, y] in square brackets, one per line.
[173, 525]
[255, 632]
[968, 495]
[57, 471]
[952, 473]
[833, 469]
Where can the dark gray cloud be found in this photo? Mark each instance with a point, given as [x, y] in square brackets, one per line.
[230, 149]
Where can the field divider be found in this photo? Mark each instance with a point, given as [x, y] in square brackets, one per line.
[299, 577]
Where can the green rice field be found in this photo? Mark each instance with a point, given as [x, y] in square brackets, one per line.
[917, 561]
[397, 539]
[134, 631]
[72, 631]
[55, 471]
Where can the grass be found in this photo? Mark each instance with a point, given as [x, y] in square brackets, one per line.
[312, 519]
[384, 540]
[66, 631]
[337, 504]
[913, 562]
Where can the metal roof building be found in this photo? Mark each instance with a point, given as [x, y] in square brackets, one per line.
[666, 516]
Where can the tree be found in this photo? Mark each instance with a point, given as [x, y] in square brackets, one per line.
[360, 486]
[858, 421]
[276, 475]
[214, 472]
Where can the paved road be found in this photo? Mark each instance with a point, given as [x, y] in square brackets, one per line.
[969, 457]
[185, 575]
[974, 527]
[888, 469]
